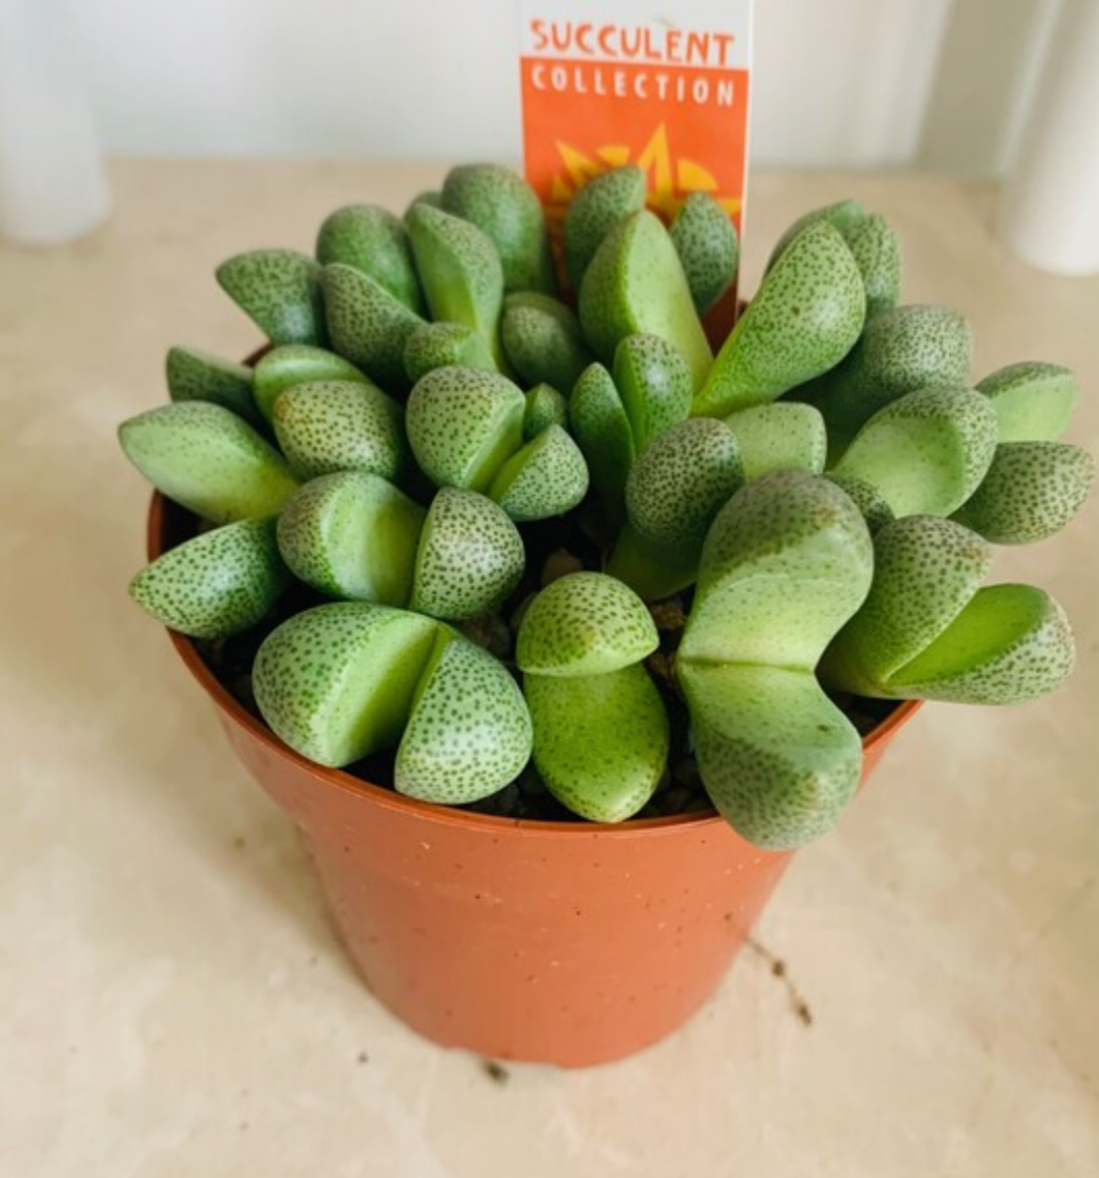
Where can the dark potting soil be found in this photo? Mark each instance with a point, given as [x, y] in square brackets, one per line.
[554, 548]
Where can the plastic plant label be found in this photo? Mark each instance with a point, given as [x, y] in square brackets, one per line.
[612, 82]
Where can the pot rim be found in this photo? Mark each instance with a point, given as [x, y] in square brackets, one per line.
[446, 815]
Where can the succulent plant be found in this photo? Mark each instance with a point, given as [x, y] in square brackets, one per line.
[566, 544]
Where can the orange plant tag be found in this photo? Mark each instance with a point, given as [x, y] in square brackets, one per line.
[604, 83]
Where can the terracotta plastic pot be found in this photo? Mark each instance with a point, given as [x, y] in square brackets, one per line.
[563, 943]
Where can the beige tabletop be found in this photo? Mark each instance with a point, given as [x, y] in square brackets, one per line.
[172, 1001]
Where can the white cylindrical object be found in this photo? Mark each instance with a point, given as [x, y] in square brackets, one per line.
[1050, 211]
[52, 185]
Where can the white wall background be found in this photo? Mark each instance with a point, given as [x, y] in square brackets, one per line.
[931, 83]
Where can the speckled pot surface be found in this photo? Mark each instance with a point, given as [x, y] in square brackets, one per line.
[572, 944]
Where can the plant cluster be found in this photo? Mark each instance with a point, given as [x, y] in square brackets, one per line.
[818, 500]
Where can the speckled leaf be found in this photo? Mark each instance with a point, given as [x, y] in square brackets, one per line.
[635, 283]
[602, 431]
[926, 570]
[654, 382]
[336, 682]
[368, 326]
[877, 252]
[441, 345]
[786, 562]
[1011, 643]
[295, 364]
[463, 424]
[682, 481]
[547, 477]
[901, 350]
[217, 584]
[784, 435]
[460, 270]
[280, 290]
[469, 733]
[779, 760]
[373, 240]
[845, 215]
[805, 318]
[600, 741]
[705, 239]
[198, 376]
[328, 426]
[927, 452]
[594, 211]
[1031, 491]
[352, 535]
[470, 557]
[545, 407]
[209, 460]
[867, 498]
[506, 209]
[543, 341]
[429, 196]
[1033, 401]
[584, 624]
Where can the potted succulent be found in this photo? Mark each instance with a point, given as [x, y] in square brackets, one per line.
[556, 633]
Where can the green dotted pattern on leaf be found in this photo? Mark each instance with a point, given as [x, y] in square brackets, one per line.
[1033, 400]
[336, 682]
[463, 424]
[844, 215]
[926, 570]
[547, 477]
[460, 270]
[294, 364]
[469, 731]
[594, 211]
[470, 557]
[779, 760]
[439, 345]
[654, 382]
[368, 326]
[602, 430]
[328, 426]
[803, 321]
[543, 341]
[217, 584]
[706, 240]
[208, 460]
[682, 481]
[635, 283]
[786, 562]
[867, 498]
[584, 624]
[877, 253]
[785, 435]
[600, 741]
[280, 290]
[198, 376]
[352, 535]
[927, 452]
[545, 407]
[505, 208]
[373, 240]
[901, 350]
[1031, 491]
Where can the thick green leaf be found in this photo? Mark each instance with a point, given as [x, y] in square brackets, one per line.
[280, 290]
[584, 624]
[600, 741]
[784, 435]
[469, 731]
[779, 760]
[547, 477]
[373, 240]
[337, 682]
[1033, 401]
[927, 452]
[295, 364]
